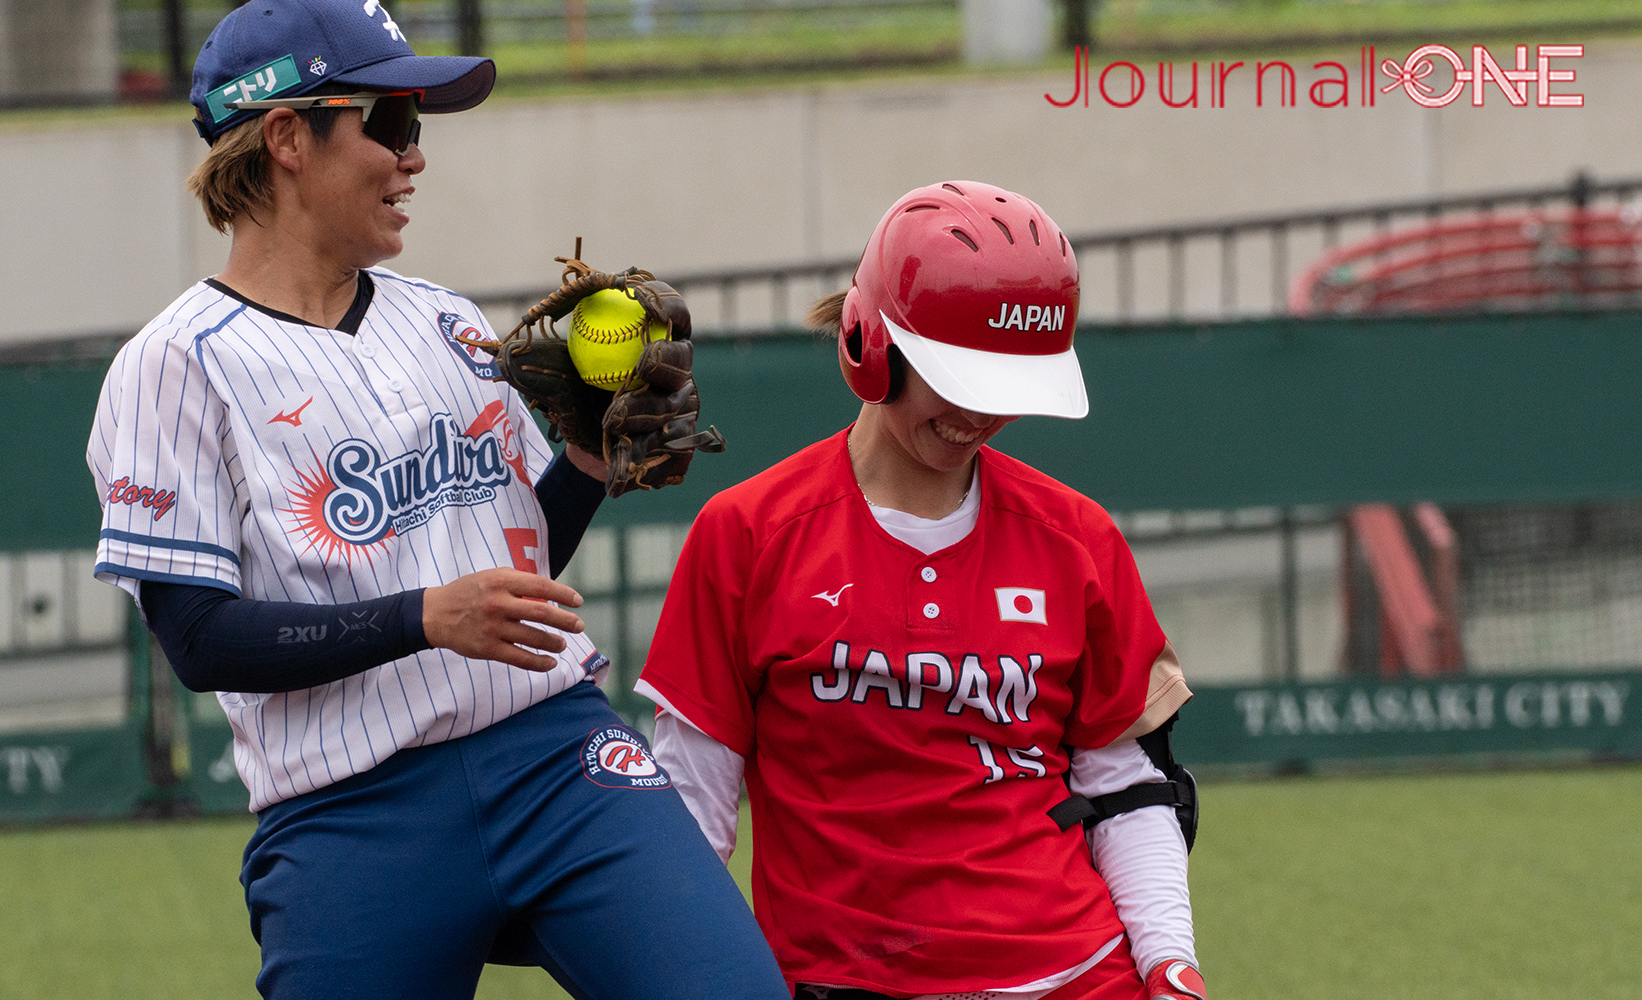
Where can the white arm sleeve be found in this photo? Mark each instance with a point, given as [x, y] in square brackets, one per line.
[1140, 854]
[707, 773]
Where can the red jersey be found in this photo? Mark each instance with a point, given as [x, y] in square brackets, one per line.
[905, 718]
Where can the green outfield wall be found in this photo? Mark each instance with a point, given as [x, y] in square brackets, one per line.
[1536, 408]
[87, 774]
[1315, 725]
[1481, 409]
[1264, 727]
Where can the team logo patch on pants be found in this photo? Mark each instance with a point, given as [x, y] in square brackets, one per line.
[616, 758]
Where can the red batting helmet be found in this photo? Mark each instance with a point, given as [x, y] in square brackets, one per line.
[978, 289]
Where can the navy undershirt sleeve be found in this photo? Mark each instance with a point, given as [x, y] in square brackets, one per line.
[218, 642]
[569, 499]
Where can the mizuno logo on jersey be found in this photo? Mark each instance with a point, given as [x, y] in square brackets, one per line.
[832, 599]
[122, 491]
[359, 496]
[1010, 317]
[294, 418]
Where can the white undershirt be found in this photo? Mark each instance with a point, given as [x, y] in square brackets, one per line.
[1141, 854]
[927, 535]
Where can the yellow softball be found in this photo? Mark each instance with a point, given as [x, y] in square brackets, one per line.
[607, 335]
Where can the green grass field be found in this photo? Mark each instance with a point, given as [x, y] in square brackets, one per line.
[1487, 886]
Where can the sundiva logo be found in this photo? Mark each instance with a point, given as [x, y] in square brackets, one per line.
[1539, 69]
[359, 497]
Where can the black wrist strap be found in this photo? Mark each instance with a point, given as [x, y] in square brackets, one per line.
[1080, 809]
[1179, 789]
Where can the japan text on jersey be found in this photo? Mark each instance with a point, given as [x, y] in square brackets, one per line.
[916, 707]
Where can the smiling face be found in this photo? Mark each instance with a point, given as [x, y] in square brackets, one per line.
[933, 433]
[356, 190]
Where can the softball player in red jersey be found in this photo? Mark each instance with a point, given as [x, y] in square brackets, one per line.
[910, 645]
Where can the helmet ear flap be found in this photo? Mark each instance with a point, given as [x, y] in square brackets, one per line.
[862, 354]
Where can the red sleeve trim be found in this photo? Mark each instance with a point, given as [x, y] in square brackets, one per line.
[702, 716]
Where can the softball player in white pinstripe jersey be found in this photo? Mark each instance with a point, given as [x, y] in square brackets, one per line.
[278, 438]
[330, 514]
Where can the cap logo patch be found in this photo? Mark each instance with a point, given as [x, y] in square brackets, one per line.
[279, 75]
[316, 66]
[1010, 317]
[613, 757]
[1021, 604]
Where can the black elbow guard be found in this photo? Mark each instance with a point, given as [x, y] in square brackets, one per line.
[1178, 789]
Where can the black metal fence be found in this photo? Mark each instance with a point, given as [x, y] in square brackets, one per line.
[1226, 269]
[1237, 268]
[547, 41]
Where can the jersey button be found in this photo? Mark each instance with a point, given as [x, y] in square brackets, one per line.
[928, 574]
[931, 610]
[368, 351]
[395, 385]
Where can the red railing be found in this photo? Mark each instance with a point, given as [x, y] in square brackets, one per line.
[1418, 616]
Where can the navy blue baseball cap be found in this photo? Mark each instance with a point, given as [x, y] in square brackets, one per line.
[285, 48]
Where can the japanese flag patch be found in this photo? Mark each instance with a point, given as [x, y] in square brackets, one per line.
[615, 757]
[1021, 604]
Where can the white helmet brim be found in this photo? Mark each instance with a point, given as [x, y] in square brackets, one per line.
[1014, 385]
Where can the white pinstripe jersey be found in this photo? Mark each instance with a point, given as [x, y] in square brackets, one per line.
[286, 462]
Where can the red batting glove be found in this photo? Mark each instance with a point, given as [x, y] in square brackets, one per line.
[1176, 979]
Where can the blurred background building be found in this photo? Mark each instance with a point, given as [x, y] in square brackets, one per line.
[62, 52]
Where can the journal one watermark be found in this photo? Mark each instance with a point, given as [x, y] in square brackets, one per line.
[1539, 75]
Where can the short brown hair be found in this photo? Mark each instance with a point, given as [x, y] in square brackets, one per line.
[234, 178]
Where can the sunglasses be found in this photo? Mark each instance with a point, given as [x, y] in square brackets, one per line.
[390, 118]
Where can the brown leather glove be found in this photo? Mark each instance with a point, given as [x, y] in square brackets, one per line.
[646, 428]
[650, 436]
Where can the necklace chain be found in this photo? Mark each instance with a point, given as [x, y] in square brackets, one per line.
[850, 451]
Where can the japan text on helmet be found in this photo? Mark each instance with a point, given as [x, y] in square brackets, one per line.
[978, 289]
